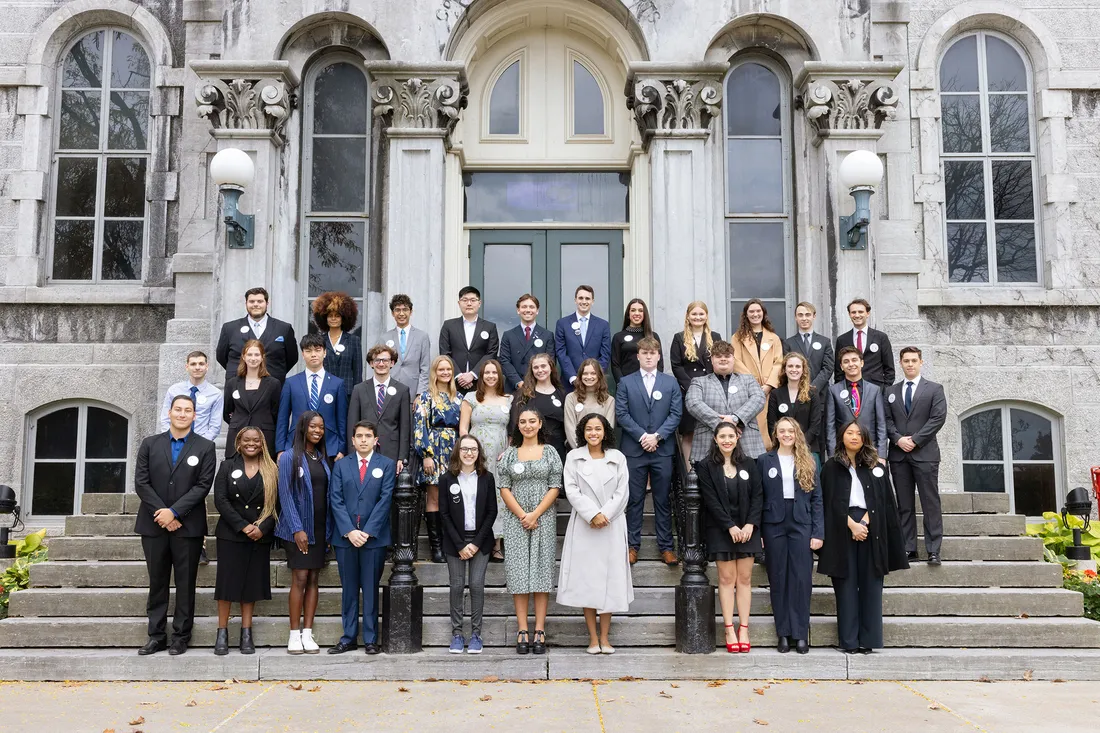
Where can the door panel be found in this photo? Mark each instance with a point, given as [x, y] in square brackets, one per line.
[504, 265]
[586, 257]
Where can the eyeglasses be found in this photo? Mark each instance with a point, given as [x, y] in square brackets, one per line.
[468, 449]
[380, 360]
[469, 300]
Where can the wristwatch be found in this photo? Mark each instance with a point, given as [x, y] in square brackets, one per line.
[863, 522]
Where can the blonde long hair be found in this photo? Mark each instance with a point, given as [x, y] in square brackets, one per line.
[269, 472]
[804, 380]
[433, 382]
[805, 469]
[689, 338]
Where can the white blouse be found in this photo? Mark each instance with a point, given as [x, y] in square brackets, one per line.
[858, 497]
[467, 483]
[786, 467]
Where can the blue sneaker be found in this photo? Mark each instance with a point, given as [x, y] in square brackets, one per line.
[475, 644]
[457, 642]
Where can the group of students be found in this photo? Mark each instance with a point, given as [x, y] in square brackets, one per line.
[495, 428]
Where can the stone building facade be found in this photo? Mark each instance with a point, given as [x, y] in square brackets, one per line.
[666, 149]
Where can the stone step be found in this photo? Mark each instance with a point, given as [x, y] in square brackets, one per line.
[109, 602]
[111, 574]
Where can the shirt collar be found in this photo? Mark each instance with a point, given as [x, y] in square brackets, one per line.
[467, 322]
[648, 374]
[581, 318]
[915, 380]
[359, 457]
[320, 373]
[174, 439]
[378, 384]
[261, 322]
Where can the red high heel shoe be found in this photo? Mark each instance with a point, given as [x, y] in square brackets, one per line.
[745, 647]
[732, 648]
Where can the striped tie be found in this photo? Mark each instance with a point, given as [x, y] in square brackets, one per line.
[314, 394]
[381, 397]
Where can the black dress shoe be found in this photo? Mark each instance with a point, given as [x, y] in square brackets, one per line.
[152, 647]
[934, 559]
[203, 558]
[850, 651]
[866, 650]
[179, 646]
[523, 645]
[247, 645]
[802, 646]
[343, 646]
[372, 649]
[783, 646]
[221, 643]
[538, 644]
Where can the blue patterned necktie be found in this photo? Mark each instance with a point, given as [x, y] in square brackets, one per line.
[314, 394]
[403, 343]
[381, 397]
[908, 397]
[194, 394]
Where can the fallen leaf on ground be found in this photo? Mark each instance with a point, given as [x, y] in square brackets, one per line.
[138, 720]
[485, 698]
[108, 730]
[627, 678]
[464, 683]
[759, 721]
[934, 706]
[759, 690]
[523, 707]
[315, 688]
[295, 685]
[1057, 679]
[983, 678]
[664, 694]
[231, 681]
[190, 703]
[215, 688]
[672, 685]
[716, 683]
[1023, 615]
[402, 689]
[1027, 675]
[491, 678]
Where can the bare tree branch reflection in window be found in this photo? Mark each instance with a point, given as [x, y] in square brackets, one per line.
[336, 257]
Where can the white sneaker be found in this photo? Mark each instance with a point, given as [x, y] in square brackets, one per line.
[294, 644]
[309, 646]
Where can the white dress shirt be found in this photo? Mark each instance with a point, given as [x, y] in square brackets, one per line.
[582, 321]
[858, 497]
[916, 382]
[258, 327]
[320, 373]
[649, 379]
[786, 468]
[467, 484]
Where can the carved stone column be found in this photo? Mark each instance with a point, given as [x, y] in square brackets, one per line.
[420, 105]
[845, 106]
[674, 106]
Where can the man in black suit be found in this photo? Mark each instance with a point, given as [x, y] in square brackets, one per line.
[280, 346]
[519, 344]
[916, 409]
[385, 402]
[812, 345]
[175, 470]
[878, 356]
[469, 340]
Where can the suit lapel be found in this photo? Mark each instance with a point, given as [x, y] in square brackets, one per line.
[184, 452]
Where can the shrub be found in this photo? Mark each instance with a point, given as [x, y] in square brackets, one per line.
[28, 551]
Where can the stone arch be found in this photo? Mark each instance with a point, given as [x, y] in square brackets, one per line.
[74, 17]
[324, 32]
[763, 32]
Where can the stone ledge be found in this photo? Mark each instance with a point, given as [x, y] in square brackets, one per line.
[1002, 296]
[88, 294]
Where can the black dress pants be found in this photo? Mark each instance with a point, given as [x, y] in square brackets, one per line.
[790, 564]
[858, 597]
[163, 555]
[921, 477]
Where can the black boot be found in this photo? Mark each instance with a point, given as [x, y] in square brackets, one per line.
[247, 645]
[221, 642]
[435, 536]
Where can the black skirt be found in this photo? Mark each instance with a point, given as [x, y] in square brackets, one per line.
[244, 572]
[314, 559]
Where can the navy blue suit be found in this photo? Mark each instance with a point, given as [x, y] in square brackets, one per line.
[638, 413]
[516, 351]
[362, 505]
[332, 406]
[571, 352]
[787, 527]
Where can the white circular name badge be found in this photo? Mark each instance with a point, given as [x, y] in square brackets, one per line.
[817, 346]
[773, 472]
[391, 391]
[877, 472]
[244, 329]
[192, 460]
[657, 394]
[301, 472]
[577, 327]
[538, 343]
[454, 490]
[484, 334]
[517, 468]
[236, 394]
[579, 408]
[765, 346]
[237, 474]
[733, 389]
[390, 343]
[556, 401]
[783, 407]
[339, 348]
[744, 475]
[201, 399]
[874, 348]
[844, 395]
[377, 473]
[891, 399]
[328, 399]
[628, 338]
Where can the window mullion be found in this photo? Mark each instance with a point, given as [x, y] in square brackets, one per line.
[81, 443]
[1006, 449]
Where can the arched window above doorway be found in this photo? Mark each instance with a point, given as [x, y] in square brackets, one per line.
[506, 100]
[589, 108]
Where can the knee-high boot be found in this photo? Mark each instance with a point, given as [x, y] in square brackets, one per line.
[435, 536]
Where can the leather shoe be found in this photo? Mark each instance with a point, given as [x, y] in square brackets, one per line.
[850, 651]
[668, 557]
[802, 646]
[372, 649]
[866, 650]
[179, 646]
[152, 647]
[784, 646]
[343, 646]
[934, 559]
[633, 556]
[221, 643]
[247, 646]
[912, 556]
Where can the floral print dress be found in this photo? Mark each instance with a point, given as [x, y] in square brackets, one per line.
[435, 430]
[529, 556]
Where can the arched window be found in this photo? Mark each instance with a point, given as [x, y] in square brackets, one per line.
[1013, 449]
[101, 152]
[504, 101]
[588, 102]
[988, 159]
[336, 172]
[75, 449]
[758, 195]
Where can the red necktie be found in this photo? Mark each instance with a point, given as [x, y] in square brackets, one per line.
[856, 401]
[859, 341]
[527, 332]
[362, 469]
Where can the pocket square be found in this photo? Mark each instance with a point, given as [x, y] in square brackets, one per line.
[280, 338]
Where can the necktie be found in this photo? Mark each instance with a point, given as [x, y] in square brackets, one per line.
[527, 333]
[381, 397]
[908, 397]
[194, 392]
[806, 342]
[856, 403]
[649, 383]
[584, 329]
[314, 394]
[362, 469]
[403, 343]
[859, 341]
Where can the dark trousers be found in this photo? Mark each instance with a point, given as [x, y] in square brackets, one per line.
[656, 471]
[790, 566]
[360, 570]
[456, 572]
[163, 555]
[923, 477]
[858, 597]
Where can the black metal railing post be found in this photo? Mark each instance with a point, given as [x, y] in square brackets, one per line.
[694, 594]
[403, 596]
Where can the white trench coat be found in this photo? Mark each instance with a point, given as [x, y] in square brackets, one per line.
[595, 564]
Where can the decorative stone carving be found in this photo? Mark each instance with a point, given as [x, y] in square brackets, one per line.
[426, 98]
[680, 98]
[256, 98]
[848, 98]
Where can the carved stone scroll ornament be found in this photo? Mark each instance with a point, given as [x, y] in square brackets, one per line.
[674, 104]
[849, 105]
[246, 104]
[420, 102]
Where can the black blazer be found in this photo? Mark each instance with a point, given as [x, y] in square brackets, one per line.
[239, 510]
[884, 527]
[819, 354]
[280, 348]
[685, 370]
[718, 504]
[925, 418]
[395, 422]
[258, 408]
[624, 354]
[878, 357]
[452, 343]
[181, 488]
[452, 512]
[810, 415]
[807, 505]
[516, 351]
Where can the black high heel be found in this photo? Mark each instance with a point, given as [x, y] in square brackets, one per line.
[538, 646]
[523, 645]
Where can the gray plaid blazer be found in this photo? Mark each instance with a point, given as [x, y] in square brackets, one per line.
[706, 400]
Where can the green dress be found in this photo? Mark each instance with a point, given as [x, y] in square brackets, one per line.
[529, 556]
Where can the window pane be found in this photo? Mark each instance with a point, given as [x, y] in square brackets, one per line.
[504, 103]
[1009, 129]
[964, 186]
[125, 193]
[339, 174]
[757, 257]
[1004, 67]
[104, 478]
[336, 257]
[981, 437]
[72, 250]
[547, 197]
[129, 63]
[122, 242]
[967, 254]
[584, 264]
[507, 276]
[755, 171]
[757, 109]
[106, 434]
[76, 179]
[587, 103]
[55, 434]
[776, 313]
[54, 485]
[961, 123]
[984, 477]
[84, 63]
[128, 126]
[959, 68]
[1032, 438]
[79, 121]
[1033, 488]
[1012, 190]
[340, 101]
[1016, 257]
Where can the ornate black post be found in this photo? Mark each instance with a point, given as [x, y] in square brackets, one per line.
[694, 594]
[403, 597]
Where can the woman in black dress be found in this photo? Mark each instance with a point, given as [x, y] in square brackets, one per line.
[246, 494]
[733, 497]
[251, 398]
[796, 398]
[689, 355]
[543, 392]
[303, 524]
[624, 344]
[335, 315]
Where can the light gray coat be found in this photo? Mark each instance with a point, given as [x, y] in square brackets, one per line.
[706, 400]
[412, 371]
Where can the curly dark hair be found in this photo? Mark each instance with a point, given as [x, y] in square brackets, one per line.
[516, 438]
[608, 441]
[335, 302]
